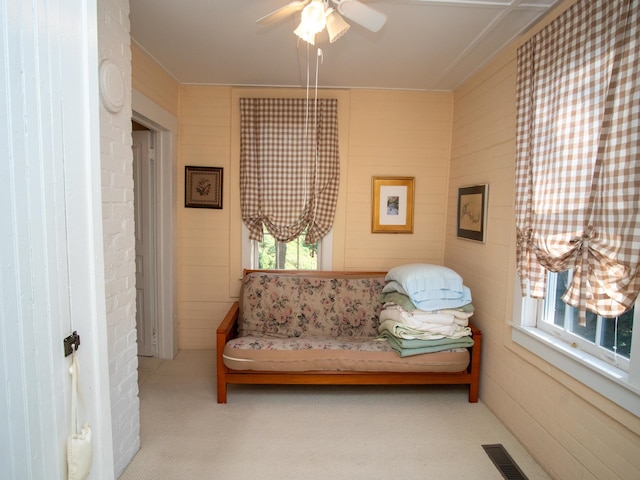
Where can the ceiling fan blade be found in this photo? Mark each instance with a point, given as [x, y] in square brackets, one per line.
[283, 12]
[362, 14]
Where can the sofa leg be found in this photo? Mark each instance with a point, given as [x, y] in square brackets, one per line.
[222, 391]
[473, 393]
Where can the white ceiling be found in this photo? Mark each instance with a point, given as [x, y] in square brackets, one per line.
[424, 45]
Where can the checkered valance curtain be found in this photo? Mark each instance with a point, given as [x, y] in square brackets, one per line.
[289, 166]
[578, 165]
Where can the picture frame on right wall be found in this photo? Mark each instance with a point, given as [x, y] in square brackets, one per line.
[472, 212]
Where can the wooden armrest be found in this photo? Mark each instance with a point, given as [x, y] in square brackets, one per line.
[230, 321]
[228, 328]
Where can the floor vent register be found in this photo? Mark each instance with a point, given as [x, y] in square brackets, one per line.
[503, 462]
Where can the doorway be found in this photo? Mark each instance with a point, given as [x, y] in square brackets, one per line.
[162, 128]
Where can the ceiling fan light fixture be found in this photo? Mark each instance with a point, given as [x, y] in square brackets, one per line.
[313, 15]
[305, 34]
[313, 20]
[336, 26]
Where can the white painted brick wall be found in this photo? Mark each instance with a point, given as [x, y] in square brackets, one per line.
[119, 239]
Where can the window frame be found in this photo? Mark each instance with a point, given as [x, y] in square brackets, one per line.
[250, 251]
[571, 338]
[619, 386]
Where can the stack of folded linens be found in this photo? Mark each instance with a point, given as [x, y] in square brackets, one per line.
[426, 308]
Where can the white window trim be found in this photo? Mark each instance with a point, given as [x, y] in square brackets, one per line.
[590, 347]
[249, 251]
[622, 388]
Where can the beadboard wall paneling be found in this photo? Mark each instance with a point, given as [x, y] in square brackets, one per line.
[203, 234]
[397, 133]
[381, 133]
[154, 81]
[570, 430]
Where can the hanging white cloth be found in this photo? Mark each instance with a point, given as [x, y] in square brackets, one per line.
[79, 448]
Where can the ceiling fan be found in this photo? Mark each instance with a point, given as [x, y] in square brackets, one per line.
[316, 14]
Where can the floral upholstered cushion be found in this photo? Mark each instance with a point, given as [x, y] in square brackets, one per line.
[363, 344]
[360, 354]
[294, 305]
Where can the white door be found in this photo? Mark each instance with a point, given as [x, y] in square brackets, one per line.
[144, 189]
[51, 239]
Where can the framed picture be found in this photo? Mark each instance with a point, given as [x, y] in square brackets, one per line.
[203, 187]
[472, 212]
[392, 206]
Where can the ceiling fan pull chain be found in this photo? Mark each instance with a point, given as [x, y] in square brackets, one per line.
[306, 120]
[319, 60]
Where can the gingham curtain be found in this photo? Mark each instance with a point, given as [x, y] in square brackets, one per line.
[578, 166]
[289, 166]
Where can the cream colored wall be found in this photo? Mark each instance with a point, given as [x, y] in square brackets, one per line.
[572, 431]
[203, 253]
[393, 133]
[153, 81]
[382, 133]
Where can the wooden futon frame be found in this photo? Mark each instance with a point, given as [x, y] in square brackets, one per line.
[228, 329]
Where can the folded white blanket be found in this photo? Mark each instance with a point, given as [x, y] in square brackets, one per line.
[420, 317]
[456, 312]
[403, 331]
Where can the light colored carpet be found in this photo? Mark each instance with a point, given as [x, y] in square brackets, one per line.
[310, 432]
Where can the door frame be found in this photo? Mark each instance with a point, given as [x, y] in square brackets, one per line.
[165, 125]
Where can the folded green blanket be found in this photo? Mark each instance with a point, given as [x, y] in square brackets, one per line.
[406, 347]
[405, 302]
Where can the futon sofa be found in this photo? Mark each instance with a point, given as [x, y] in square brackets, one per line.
[302, 327]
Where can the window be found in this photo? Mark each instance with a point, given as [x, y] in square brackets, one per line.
[577, 196]
[606, 338]
[289, 166]
[265, 255]
[289, 181]
[293, 255]
[617, 379]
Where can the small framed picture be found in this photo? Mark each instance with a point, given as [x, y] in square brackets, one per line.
[472, 212]
[392, 205]
[203, 187]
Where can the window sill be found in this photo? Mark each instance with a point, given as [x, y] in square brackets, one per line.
[602, 377]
